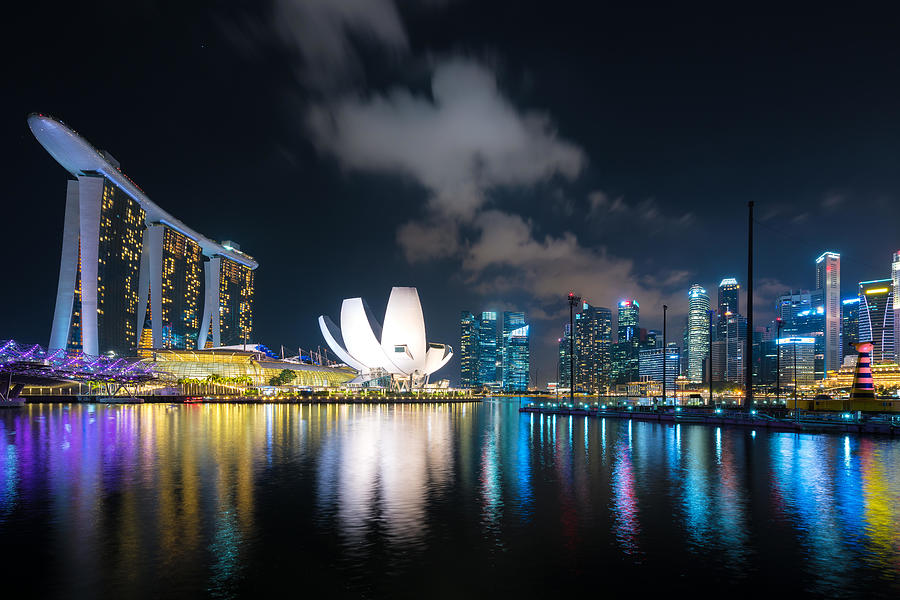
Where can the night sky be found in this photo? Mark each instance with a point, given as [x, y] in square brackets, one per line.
[495, 155]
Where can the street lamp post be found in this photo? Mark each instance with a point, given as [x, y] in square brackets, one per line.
[664, 355]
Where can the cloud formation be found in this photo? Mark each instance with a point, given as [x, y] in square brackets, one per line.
[647, 212]
[459, 143]
[323, 31]
[506, 256]
[464, 141]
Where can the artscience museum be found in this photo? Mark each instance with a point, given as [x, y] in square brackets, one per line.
[395, 355]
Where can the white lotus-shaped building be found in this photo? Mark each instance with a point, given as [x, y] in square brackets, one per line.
[398, 348]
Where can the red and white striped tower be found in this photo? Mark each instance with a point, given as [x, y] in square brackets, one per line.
[863, 386]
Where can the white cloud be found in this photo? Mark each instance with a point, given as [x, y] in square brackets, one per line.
[461, 142]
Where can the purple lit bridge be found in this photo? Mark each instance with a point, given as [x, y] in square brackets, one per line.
[29, 365]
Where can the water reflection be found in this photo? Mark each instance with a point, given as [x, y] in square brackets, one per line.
[218, 499]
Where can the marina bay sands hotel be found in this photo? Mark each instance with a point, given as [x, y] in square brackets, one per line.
[132, 275]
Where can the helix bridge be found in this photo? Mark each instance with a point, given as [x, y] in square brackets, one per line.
[26, 364]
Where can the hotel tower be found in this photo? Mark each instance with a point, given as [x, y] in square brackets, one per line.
[131, 275]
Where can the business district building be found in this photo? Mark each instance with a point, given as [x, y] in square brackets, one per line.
[810, 346]
[131, 275]
[491, 357]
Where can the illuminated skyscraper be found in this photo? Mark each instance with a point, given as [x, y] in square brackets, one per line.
[735, 339]
[182, 289]
[124, 258]
[629, 320]
[789, 304]
[849, 326]
[593, 339]
[697, 331]
[729, 294]
[468, 350]
[565, 364]
[828, 281]
[516, 363]
[895, 280]
[876, 318]
[487, 349]
[235, 302]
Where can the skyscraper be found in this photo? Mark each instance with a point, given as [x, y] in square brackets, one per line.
[629, 320]
[735, 339]
[487, 349]
[515, 362]
[468, 350]
[828, 280]
[234, 299]
[789, 304]
[876, 318]
[849, 326]
[729, 293]
[697, 331]
[895, 280]
[127, 263]
[565, 364]
[593, 340]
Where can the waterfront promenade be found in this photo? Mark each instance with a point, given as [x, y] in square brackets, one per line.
[782, 420]
[263, 399]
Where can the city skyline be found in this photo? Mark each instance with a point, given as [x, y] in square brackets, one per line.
[582, 220]
[573, 292]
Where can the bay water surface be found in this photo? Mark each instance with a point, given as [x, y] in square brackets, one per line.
[435, 501]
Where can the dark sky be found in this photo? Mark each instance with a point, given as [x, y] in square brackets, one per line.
[493, 154]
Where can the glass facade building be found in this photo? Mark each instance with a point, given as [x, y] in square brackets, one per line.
[697, 335]
[828, 284]
[729, 295]
[734, 338]
[468, 350]
[849, 326]
[628, 320]
[790, 303]
[257, 367]
[593, 343]
[651, 365]
[564, 380]
[487, 349]
[797, 358]
[876, 318]
[895, 281]
[516, 359]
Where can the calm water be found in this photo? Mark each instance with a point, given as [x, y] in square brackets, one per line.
[435, 501]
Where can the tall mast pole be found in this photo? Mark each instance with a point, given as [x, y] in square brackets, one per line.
[664, 355]
[573, 300]
[710, 314]
[748, 352]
